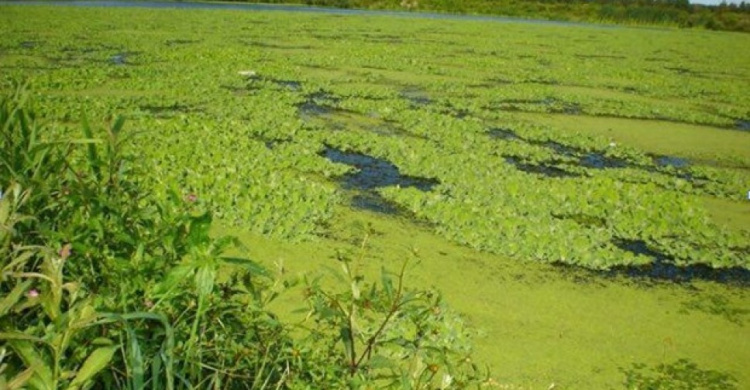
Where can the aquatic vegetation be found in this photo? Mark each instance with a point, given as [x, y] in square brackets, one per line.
[232, 113]
[471, 112]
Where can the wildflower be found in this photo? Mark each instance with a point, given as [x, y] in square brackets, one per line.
[33, 293]
[192, 198]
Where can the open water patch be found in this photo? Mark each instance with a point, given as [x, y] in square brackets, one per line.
[122, 59]
[540, 169]
[504, 134]
[291, 85]
[373, 173]
[118, 59]
[600, 161]
[416, 97]
[593, 160]
[317, 104]
[670, 161]
[663, 267]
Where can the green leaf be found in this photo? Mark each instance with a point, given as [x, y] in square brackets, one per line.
[204, 280]
[42, 378]
[118, 125]
[199, 228]
[173, 279]
[20, 379]
[93, 158]
[97, 361]
[13, 297]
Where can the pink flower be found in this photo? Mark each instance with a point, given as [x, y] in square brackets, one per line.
[33, 293]
[192, 198]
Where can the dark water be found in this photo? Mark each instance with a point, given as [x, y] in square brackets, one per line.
[506, 134]
[664, 268]
[600, 161]
[539, 169]
[591, 160]
[317, 104]
[416, 97]
[373, 173]
[119, 59]
[671, 161]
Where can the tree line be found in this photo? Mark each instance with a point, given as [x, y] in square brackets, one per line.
[679, 13]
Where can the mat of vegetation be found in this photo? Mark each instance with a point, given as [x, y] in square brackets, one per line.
[246, 117]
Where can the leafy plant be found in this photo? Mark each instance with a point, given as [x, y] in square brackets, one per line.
[53, 314]
[383, 335]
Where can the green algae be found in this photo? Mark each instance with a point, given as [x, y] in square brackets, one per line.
[537, 324]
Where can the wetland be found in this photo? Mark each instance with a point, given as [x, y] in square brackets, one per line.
[577, 193]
